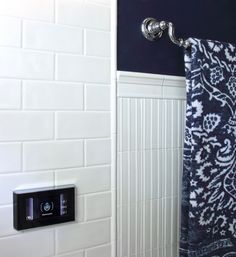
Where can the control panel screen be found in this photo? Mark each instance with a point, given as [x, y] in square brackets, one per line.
[46, 207]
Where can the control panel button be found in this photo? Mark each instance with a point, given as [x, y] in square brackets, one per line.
[47, 206]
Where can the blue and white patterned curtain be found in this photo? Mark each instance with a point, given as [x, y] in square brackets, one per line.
[208, 226]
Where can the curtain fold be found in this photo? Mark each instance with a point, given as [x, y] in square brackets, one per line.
[208, 218]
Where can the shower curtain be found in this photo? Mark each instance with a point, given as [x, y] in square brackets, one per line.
[208, 223]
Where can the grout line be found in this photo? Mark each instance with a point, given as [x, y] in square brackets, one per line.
[85, 99]
[85, 153]
[55, 169]
[84, 35]
[22, 157]
[55, 66]
[21, 32]
[52, 51]
[43, 80]
[55, 11]
[58, 23]
[21, 95]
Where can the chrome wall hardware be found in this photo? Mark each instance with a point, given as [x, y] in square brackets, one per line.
[153, 30]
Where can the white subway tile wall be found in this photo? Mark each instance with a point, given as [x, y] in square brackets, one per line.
[150, 127]
[55, 120]
[10, 94]
[10, 31]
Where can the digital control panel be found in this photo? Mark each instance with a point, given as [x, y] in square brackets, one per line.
[43, 206]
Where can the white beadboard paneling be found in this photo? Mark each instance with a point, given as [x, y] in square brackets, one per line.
[52, 155]
[150, 124]
[87, 235]
[10, 31]
[81, 68]
[150, 128]
[52, 96]
[78, 13]
[173, 127]
[87, 180]
[52, 37]
[6, 221]
[140, 125]
[101, 251]
[26, 126]
[18, 63]
[11, 182]
[98, 98]
[10, 94]
[102, 46]
[83, 125]
[98, 152]
[98, 206]
[27, 243]
[10, 157]
[37, 9]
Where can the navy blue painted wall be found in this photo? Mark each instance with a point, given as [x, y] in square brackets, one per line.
[209, 19]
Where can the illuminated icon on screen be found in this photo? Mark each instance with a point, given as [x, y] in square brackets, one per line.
[30, 209]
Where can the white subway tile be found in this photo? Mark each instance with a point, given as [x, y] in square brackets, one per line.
[83, 14]
[52, 96]
[10, 157]
[10, 94]
[38, 35]
[37, 9]
[18, 63]
[98, 152]
[98, 98]
[104, 2]
[10, 31]
[98, 43]
[52, 155]
[6, 221]
[84, 235]
[98, 206]
[87, 180]
[100, 251]
[74, 254]
[11, 182]
[82, 69]
[38, 244]
[83, 125]
[26, 126]
[80, 209]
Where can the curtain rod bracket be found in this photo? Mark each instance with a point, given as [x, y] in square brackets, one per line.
[153, 30]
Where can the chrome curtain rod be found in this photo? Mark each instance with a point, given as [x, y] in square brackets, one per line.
[153, 30]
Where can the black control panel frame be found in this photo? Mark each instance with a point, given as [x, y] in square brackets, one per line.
[43, 206]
